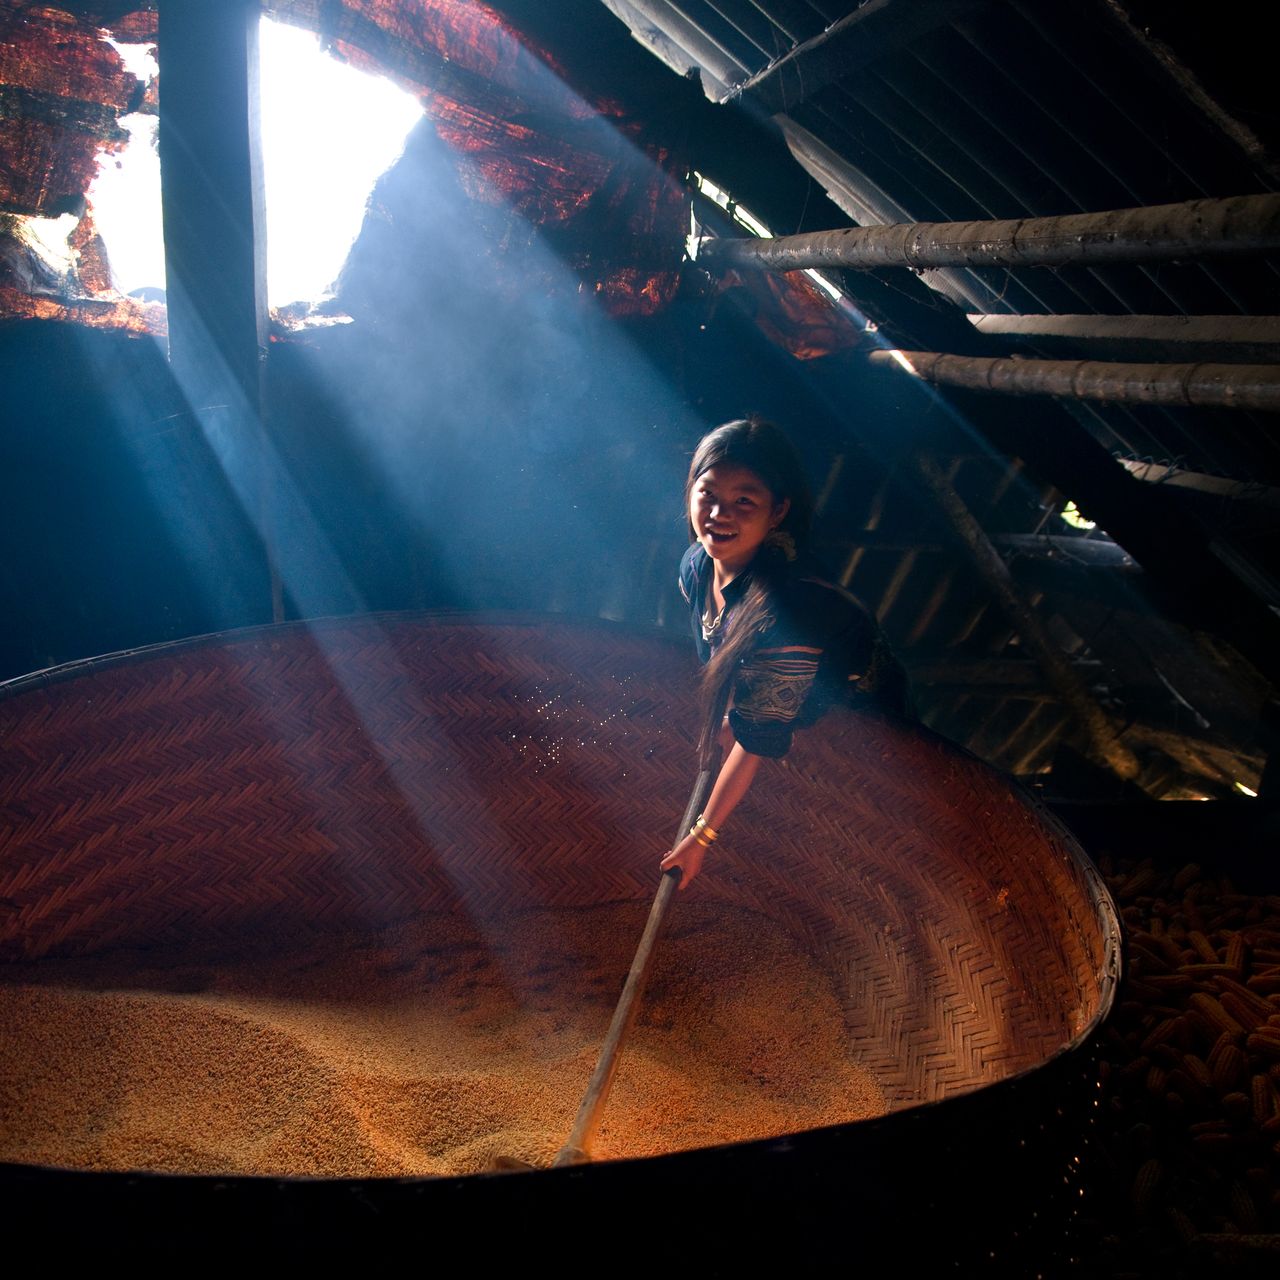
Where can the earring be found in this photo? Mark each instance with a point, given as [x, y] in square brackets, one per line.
[781, 541]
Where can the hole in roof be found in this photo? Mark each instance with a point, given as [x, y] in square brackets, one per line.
[127, 213]
[124, 196]
[1070, 514]
[328, 133]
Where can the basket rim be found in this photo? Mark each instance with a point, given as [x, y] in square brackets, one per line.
[77, 667]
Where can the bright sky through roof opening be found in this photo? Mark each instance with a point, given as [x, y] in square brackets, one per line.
[125, 194]
[328, 133]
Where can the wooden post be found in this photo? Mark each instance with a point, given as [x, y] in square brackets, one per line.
[1158, 233]
[215, 239]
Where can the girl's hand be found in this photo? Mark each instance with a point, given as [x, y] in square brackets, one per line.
[687, 855]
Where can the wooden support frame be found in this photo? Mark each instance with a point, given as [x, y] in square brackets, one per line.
[1103, 735]
[1183, 577]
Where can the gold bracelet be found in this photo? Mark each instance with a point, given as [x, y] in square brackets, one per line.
[699, 838]
[703, 828]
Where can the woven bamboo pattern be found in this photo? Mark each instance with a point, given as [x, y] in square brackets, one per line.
[355, 772]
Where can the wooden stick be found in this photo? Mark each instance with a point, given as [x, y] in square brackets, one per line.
[577, 1147]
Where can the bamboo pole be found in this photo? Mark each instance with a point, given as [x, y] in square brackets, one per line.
[1255, 332]
[1223, 386]
[1157, 233]
[1102, 734]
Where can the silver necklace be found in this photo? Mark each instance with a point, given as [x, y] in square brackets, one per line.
[711, 625]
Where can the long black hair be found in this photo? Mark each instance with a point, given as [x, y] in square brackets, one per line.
[761, 447]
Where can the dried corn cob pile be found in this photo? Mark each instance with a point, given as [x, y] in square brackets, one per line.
[1191, 1076]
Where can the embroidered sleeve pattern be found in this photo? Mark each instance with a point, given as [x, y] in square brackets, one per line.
[774, 684]
[770, 692]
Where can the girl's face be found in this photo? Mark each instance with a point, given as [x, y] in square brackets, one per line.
[732, 512]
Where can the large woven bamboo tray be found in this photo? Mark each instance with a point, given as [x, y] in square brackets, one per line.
[356, 772]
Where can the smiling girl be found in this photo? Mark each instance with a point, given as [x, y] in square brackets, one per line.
[780, 641]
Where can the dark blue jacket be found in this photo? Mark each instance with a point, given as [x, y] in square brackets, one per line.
[819, 645]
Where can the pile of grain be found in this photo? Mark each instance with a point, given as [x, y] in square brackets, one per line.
[424, 1050]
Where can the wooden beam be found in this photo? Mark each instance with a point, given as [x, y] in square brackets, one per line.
[1032, 756]
[1006, 746]
[1093, 553]
[1221, 386]
[683, 34]
[215, 239]
[213, 208]
[868, 33]
[1150, 716]
[1201, 754]
[1234, 225]
[1230, 339]
[904, 302]
[1218, 486]
[1102, 733]
[1165, 62]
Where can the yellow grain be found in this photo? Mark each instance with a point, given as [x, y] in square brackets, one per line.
[423, 1050]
